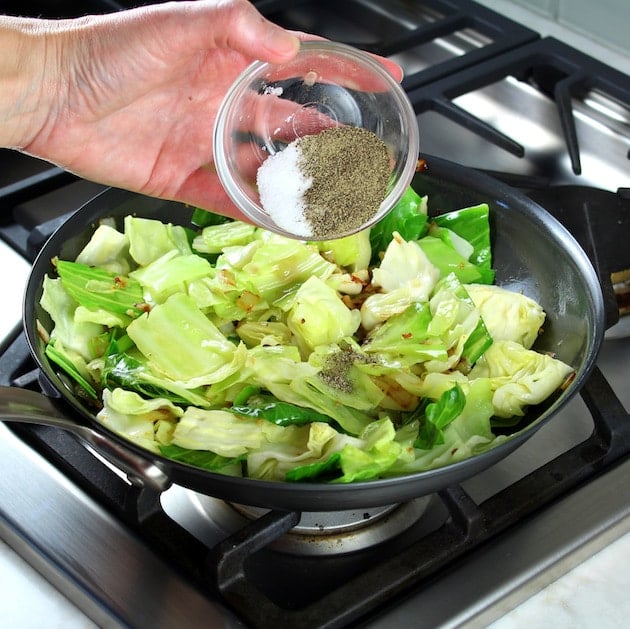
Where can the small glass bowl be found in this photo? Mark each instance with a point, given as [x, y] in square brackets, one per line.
[327, 84]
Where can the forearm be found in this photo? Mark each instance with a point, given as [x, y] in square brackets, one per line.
[25, 80]
[129, 99]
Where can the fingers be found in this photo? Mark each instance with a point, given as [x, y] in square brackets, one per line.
[391, 66]
[248, 32]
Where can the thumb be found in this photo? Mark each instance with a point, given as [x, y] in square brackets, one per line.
[242, 28]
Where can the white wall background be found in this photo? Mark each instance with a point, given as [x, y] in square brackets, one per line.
[599, 27]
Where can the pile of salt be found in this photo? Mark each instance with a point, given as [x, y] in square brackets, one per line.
[281, 187]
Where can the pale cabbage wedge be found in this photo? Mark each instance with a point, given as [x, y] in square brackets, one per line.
[351, 252]
[218, 238]
[135, 417]
[75, 336]
[108, 249]
[272, 451]
[405, 276]
[279, 266]
[509, 316]
[299, 446]
[170, 274]
[99, 316]
[267, 367]
[405, 264]
[150, 240]
[183, 345]
[220, 431]
[319, 316]
[519, 377]
[458, 323]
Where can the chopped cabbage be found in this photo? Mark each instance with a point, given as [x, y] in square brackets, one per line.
[74, 335]
[319, 316]
[246, 353]
[150, 239]
[405, 276]
[405, 263]
[519, 377]
[181, 343]
[108, 248]
[135, 417]
[509, 316]
[352, 252]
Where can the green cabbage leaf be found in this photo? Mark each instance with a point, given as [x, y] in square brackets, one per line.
[182, 344]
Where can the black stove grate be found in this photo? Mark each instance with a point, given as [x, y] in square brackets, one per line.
[389, 28]
[557, 70]
[468, 526]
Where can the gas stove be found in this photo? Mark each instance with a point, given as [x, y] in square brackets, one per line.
[488, 93]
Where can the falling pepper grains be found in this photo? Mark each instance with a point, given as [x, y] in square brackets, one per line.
[327, 184]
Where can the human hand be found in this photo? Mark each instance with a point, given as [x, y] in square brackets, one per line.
[129, 99]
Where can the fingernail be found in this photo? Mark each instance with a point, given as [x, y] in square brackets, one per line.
[283, 44]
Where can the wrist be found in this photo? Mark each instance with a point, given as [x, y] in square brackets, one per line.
[26, 76]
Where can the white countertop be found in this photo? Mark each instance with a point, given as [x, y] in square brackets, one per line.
[595, 594]
[28, 600]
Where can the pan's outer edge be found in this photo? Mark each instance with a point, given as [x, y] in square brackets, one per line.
[322, 497]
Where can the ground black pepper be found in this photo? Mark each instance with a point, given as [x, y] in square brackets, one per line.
[350, 169]
[335, 370]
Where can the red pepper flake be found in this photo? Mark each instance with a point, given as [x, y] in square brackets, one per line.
[247, 301]
[407, 335]
[357, 280]
[227, 277]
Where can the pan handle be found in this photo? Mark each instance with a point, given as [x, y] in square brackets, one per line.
[30, 407]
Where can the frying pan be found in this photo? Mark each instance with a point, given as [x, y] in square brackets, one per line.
[533, 253]
[600, 221]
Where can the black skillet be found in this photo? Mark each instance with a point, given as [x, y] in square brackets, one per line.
[532, 252]
[600, 221]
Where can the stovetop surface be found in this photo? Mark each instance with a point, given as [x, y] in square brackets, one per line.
[493, 95]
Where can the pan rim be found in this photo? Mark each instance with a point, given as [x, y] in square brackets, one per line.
[314, 493]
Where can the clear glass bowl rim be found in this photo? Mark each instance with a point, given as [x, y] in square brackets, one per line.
[221, 139]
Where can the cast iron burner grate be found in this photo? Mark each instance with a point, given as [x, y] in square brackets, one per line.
[557, 70]
[392, 28]
[356, 586]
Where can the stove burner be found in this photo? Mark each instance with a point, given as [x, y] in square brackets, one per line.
[320, 533]
[527, 104]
